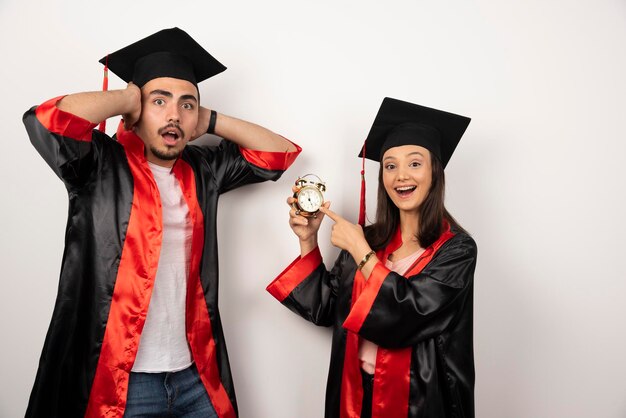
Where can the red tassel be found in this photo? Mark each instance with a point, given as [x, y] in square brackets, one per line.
[362, 199]
[105, 86]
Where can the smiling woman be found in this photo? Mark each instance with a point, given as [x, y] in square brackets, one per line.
[400, 296]
[407, 176]
[406, 173]
[421, 203]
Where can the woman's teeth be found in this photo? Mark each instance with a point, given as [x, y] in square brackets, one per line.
[405, 190]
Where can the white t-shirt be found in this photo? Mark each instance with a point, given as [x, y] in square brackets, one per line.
[163, 346]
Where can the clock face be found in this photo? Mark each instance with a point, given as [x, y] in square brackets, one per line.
[310, 199]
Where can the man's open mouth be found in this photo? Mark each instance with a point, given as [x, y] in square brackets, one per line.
[170, 135]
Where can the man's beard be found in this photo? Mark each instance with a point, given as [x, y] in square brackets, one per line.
[170, 153]
[167, 155]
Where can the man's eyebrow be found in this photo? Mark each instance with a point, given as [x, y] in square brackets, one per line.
[189, 97]
[161, 93]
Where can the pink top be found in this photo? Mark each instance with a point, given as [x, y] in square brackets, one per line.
[367, 349]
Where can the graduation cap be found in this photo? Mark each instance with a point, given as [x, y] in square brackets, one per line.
[167, 53]
[402, 123]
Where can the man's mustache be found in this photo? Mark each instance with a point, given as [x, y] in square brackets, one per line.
[172, 127]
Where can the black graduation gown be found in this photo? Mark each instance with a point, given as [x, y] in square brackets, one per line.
[422, 324]
[112, 245]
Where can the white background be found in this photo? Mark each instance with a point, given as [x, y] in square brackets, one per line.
[538, 177]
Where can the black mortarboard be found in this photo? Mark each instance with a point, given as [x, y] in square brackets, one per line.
[167, 53]
[403, 123]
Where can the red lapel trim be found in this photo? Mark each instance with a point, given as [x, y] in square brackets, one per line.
[351, 400]
[392, 379]
[364, 293]
[132, 290]
[199, 327]
[393, 367]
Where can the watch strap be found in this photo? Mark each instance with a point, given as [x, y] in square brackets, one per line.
[212, 121]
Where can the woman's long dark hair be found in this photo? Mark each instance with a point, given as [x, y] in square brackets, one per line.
[432, 213]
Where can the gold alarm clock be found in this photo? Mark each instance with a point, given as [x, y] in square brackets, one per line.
[309, 195]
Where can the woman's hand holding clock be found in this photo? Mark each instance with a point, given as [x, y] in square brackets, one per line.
[305, 228]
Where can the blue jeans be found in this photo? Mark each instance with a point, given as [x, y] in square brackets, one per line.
[170, 394]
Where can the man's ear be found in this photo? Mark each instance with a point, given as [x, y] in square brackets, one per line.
[203, 123]
[197, 133]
